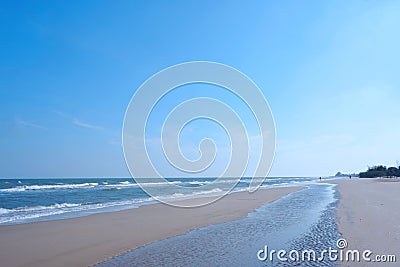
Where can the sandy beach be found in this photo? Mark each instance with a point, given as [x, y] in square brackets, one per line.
[88, 240]
[368, 216]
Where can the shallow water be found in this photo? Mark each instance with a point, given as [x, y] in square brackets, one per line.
[299, 220]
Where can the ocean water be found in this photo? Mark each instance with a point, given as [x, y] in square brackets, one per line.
[301, 220]
[29, 200]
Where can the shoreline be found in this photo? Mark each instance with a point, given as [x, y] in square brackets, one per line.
[95, 238]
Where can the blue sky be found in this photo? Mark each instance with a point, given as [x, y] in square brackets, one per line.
[329, 70]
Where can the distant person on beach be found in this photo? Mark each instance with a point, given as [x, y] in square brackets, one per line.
[320, 178]
[350, 177]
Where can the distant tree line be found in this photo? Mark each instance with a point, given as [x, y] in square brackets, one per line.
[380, 171]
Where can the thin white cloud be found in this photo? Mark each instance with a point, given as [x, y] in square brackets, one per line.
[29, 124]
[62, 114]
[86, 125]
[114, 142]
[78, 122]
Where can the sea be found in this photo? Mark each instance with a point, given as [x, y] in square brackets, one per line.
[31, 200]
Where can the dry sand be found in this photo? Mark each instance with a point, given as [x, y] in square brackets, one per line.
[368, 216]
[88, 240]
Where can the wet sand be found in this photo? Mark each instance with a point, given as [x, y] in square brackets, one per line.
[91, 239]
[368, 216]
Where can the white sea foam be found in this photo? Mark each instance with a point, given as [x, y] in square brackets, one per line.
[199, 182]
[33, 212]
[160, 183]
[4, 211]
[48, 187]
[193, 194]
